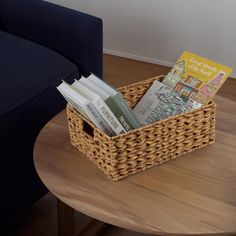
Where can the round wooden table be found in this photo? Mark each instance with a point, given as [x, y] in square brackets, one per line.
[193, 195]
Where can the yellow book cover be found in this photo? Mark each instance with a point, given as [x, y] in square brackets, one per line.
[196, 79]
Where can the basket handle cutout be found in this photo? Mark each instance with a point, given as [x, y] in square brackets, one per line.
[88, 129]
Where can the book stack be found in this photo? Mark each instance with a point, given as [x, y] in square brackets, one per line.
[191, 83]
[101, 104]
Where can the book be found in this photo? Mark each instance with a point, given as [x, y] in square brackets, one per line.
[100, 102]
[159, 102]
[196, 79]
[84, 106]
[75, 100]
[96, 100]
[117, 104]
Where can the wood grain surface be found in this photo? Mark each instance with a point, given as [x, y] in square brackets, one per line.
[194, 195]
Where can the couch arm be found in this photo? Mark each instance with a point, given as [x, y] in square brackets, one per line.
[76, 35]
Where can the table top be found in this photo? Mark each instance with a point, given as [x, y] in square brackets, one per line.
[194, 195]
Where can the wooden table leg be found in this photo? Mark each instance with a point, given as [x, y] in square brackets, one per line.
[65, 219]
[66, 223]
[94, 228]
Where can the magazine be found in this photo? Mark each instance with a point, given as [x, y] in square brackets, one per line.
[158, 103]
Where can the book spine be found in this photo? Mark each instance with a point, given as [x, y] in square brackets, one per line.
[97, 119]
[89, 111]
[119, 114]
[70, 100]
[75, 106]
[85, 107]
[126, 111]
[108, 116]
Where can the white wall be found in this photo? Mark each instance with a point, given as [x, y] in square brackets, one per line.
[159, 31]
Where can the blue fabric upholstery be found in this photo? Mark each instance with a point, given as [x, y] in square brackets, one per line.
[40, 44]
[20, 184]
[75, 35]
[28, 70]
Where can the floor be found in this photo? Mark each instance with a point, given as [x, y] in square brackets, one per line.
[40, 220]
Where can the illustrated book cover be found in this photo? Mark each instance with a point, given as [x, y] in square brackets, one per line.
[196, 79]
[159, 102]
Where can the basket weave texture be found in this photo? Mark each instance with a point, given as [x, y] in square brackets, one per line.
[145, 147]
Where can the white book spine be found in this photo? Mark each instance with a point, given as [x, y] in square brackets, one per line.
[84, 106]
[108, 116]
[92, 97]
[97, 119]
[104, 110]
[70, 98]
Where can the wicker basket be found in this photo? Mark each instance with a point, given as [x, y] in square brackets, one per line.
[145, 147]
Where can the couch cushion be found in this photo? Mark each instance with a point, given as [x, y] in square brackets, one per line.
[27, 69]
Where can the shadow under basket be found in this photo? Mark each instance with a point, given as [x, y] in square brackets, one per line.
[129, 153]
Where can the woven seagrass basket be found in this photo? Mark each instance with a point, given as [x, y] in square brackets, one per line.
[145, 147]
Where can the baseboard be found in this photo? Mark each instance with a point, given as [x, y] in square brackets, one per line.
[145, 59]
[138, 58]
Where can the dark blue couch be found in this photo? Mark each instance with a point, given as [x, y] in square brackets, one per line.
[40, 44]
